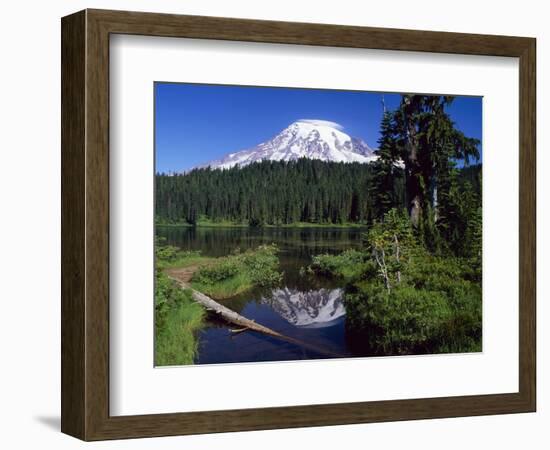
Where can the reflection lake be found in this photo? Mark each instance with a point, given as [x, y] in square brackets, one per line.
[307, 308]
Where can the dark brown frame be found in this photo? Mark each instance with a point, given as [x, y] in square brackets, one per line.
[85, 224]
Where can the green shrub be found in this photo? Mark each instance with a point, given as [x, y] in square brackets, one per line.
[238, 272]
[391, 244]
[436, 308]
[401, 299]
[350, 264]
[400, 321]
[177, 320]
[261, 265]
[170, 256]
[225, 268]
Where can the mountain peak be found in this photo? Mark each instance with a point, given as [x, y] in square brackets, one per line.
[305, 138]
[319, 123]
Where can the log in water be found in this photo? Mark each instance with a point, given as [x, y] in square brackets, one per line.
[235, 318]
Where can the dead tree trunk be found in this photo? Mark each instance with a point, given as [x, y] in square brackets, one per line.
[235, 318]
[412, 170]
[381, 261]
[397, 256]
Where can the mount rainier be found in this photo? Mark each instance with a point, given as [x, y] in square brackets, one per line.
[313, 139]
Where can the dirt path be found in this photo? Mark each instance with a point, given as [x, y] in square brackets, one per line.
[182, 274]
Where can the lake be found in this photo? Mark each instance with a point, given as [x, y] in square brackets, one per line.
[307, 308]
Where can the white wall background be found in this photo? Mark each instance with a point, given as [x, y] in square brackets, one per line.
[30, 221]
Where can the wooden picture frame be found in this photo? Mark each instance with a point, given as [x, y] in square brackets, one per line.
[85, 224]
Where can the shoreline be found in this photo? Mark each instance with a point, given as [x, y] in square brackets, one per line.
[236, 225]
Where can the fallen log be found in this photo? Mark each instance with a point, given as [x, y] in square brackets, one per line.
[235, 318]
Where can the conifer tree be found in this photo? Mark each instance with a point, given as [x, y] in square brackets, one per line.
[429, 144]
[384, 168]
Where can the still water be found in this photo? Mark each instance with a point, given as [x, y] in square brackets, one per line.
[306, 308]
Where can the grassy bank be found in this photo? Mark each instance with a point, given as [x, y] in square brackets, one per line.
[177, 320]
[203, 223]
[317, 225]
[231, 275]
[349, 265]
[168, 256]
[402, 299]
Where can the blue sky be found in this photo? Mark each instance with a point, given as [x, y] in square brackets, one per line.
[196, 123]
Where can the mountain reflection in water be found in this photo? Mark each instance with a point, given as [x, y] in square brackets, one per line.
[307, 308]
[313, 309]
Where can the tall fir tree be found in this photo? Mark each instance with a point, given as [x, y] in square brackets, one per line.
[382, 189]
[429, 144]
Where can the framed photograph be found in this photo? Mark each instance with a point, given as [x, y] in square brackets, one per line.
[272, 225]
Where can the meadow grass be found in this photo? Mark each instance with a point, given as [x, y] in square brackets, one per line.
[227, 288]
[178, 318]
[349, 265]
[236, 273]
[168, 256]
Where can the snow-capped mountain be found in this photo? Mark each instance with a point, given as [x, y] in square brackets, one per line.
[313, 139]
[313, 309]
